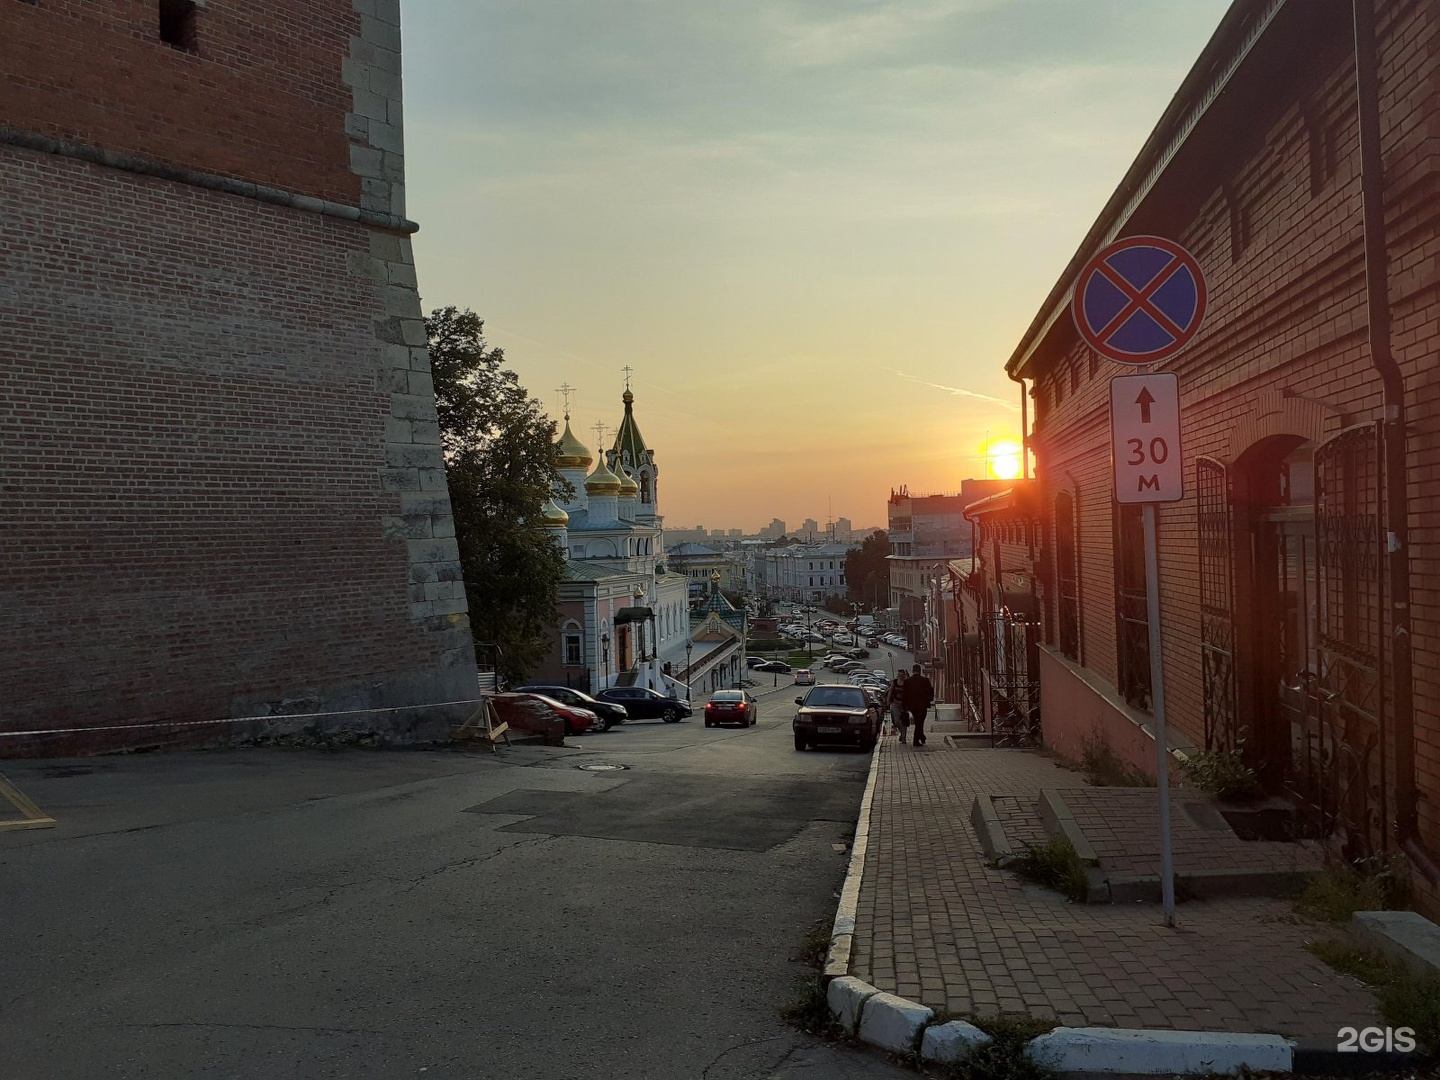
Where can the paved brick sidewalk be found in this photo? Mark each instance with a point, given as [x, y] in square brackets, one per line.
[936, 924]
[1120, 825]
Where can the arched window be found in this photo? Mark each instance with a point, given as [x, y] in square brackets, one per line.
[644, 486]
[572, 644]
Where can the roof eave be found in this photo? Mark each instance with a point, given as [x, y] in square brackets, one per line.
[1239, 29]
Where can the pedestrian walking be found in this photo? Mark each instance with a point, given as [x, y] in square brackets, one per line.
[896, 700]
[917, 697]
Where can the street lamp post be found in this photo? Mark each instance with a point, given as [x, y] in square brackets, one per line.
[605, 648]
[688, 646]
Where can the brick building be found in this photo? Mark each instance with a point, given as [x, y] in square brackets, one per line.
[224, 489]
[1298, 577]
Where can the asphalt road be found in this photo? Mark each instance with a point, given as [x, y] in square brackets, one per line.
[274, 913]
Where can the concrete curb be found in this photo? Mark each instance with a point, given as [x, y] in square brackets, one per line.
[837, 961]
[1131, 1052]
[990, 831]
[1058, 821]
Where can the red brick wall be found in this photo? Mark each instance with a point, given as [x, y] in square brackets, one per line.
[261, 100]
[190, 457]
[1277, 228]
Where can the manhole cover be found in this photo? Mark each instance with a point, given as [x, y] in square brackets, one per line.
[602, 768]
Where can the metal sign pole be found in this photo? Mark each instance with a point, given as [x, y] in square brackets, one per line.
[1157, 707]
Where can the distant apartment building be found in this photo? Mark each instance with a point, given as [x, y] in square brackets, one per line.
[774, 531]
[803, 572]
[926, 532]
[842, 531]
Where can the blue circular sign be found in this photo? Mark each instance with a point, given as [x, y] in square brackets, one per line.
[1139, 300]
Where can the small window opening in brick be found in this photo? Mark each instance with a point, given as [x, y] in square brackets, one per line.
[177, 24]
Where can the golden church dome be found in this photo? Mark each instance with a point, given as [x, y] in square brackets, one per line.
[602, 481]
[629, 489]
[553, 516]
[573, 453]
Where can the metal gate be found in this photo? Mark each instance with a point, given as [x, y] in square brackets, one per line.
[1337, 757]
[1010, 652]
[1217, 604]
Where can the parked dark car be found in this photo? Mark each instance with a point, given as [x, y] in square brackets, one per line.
[730, 707]
[609, 714]
[858, 654]
[641, 703]
[842, 715]
[774, 665]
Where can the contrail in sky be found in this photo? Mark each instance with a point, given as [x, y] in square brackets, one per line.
[962, 392]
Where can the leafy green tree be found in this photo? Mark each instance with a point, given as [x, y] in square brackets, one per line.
[867, 574]
[500, 457]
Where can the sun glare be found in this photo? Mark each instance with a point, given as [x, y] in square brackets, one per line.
[1002, 458]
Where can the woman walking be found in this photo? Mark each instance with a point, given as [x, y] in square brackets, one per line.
[896, 699]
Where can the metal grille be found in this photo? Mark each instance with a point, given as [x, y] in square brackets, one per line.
[1217, 603]
[1010, 653]
[1337, 755]
[1133, 620]
[1067, 575]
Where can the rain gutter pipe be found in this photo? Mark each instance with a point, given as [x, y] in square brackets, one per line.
[1397, 508]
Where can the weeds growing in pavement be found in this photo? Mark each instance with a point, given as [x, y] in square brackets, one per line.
[1004, 1057]
[1340, 890]
[1224, 774]
[816, 946]
[1103, 768]
[1406, 999]
[810, 1011]
[1055, 865]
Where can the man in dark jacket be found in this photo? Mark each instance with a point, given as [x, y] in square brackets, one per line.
[919, 694]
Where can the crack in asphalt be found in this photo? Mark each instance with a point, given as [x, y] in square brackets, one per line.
[743, 1046]
[476, 860]
[260, 1027]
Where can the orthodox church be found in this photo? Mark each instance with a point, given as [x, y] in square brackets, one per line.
[624, 619]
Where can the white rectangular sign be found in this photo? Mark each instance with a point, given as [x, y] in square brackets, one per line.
[1145, 438]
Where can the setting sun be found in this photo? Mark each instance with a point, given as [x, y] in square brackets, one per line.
[1002, 458]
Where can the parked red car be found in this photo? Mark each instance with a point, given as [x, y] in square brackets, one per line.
[730, 707]
[536, 712]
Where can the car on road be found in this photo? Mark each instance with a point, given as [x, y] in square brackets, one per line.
[535, 712]
[607, 715]
[836, 714]
[845, 667]
[859, 654]
[730, 707]
[754, 661]
[804, 677]
[831, 659]
[642, 703]
[815, 638]
[774, 665]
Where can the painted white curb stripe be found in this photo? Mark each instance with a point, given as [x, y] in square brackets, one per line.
[1122, 1051]
[837, 963]
[893, 1023]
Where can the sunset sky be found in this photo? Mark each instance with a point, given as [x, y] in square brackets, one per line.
[815, 229]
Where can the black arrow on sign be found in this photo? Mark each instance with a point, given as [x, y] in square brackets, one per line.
[1145, 400]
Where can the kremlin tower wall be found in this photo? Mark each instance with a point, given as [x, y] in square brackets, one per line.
[224, 490]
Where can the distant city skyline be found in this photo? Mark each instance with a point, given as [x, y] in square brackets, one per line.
[814, 231]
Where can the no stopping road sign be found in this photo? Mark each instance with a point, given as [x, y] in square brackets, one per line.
[1139, 300]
